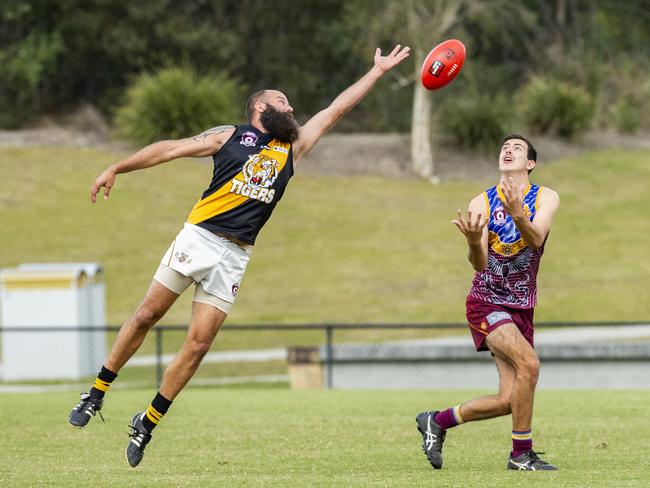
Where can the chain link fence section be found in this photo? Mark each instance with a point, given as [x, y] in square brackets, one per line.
[350, 356]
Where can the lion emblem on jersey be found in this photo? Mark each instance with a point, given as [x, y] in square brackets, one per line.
[260, 171]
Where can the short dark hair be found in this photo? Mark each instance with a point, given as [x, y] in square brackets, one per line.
[250, 104]
[532, 153]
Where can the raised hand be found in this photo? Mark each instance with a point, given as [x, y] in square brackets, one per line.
[106, 180]
[512, 197]
[471, 228]
[396, 56]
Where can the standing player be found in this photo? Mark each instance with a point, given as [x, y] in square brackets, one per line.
[252, 166]
[505, 250]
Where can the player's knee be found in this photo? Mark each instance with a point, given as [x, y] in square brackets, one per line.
[199, 348]
[530, 369]
[504, 406]
[145, 317]
[534, 368]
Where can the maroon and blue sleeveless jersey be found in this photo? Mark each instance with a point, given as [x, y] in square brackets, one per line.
[251, 172]
[510, 277]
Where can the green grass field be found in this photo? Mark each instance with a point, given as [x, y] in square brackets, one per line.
[277, 437]
[338, 249]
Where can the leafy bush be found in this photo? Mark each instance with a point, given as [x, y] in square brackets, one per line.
[553, 107]
[27, 66]
[626, 115]
[477, 122]
[625, 100]
[175, 102]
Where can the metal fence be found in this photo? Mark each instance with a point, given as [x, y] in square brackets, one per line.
[350, 355]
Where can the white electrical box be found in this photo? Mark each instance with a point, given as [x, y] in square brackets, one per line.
[45, 313]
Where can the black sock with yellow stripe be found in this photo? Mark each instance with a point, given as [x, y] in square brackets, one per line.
[155, 412]
[102, 383]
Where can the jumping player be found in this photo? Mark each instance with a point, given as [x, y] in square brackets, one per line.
[252, 166]
[505, 249]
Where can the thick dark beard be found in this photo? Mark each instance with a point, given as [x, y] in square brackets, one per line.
[280, 125]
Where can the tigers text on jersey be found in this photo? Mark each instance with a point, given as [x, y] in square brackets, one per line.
[510, 277]
[251, 172]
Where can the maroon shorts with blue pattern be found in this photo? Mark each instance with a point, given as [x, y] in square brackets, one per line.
[483, 318]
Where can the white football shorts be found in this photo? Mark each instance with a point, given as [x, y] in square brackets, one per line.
[214, 263]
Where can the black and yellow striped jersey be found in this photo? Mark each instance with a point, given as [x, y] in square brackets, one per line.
[251, 172]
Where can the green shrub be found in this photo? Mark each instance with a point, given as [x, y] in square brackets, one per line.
[175, 102]
[626, 115]
[624, 102]
[628, 109]
[553, 107]
[27, 66]
[477, 122]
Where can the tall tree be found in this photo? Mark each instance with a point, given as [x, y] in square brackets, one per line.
[427, 22]
[421, 24]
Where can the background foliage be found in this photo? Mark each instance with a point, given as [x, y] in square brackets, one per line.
[59, 54]
[555, 107]
[176, 102]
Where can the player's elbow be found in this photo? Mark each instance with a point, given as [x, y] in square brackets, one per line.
[337, 111]
[478, 265]
[535, 244]
[168, 151]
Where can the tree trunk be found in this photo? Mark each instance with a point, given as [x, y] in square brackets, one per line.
[421, 150]
[560, 20]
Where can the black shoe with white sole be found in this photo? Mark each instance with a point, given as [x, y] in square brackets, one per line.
[140, 437]
[85, 409]
[529, 461]
[433, 436]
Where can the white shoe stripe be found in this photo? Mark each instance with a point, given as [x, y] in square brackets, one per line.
[523, 466]
[431, 437]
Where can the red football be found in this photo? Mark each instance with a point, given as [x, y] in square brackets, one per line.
[442, 64]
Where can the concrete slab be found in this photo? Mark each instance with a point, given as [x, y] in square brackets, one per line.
[604, 357]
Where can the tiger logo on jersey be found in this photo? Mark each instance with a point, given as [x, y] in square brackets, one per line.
[260, 171]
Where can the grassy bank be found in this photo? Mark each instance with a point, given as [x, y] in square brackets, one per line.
[343, 249]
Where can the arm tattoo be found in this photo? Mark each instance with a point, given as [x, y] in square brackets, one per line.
[215, 130]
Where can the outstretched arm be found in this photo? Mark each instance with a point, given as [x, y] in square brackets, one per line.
[475, 231]
[323, 121]
[205, 144]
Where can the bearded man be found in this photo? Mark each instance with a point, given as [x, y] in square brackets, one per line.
[252, 165]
